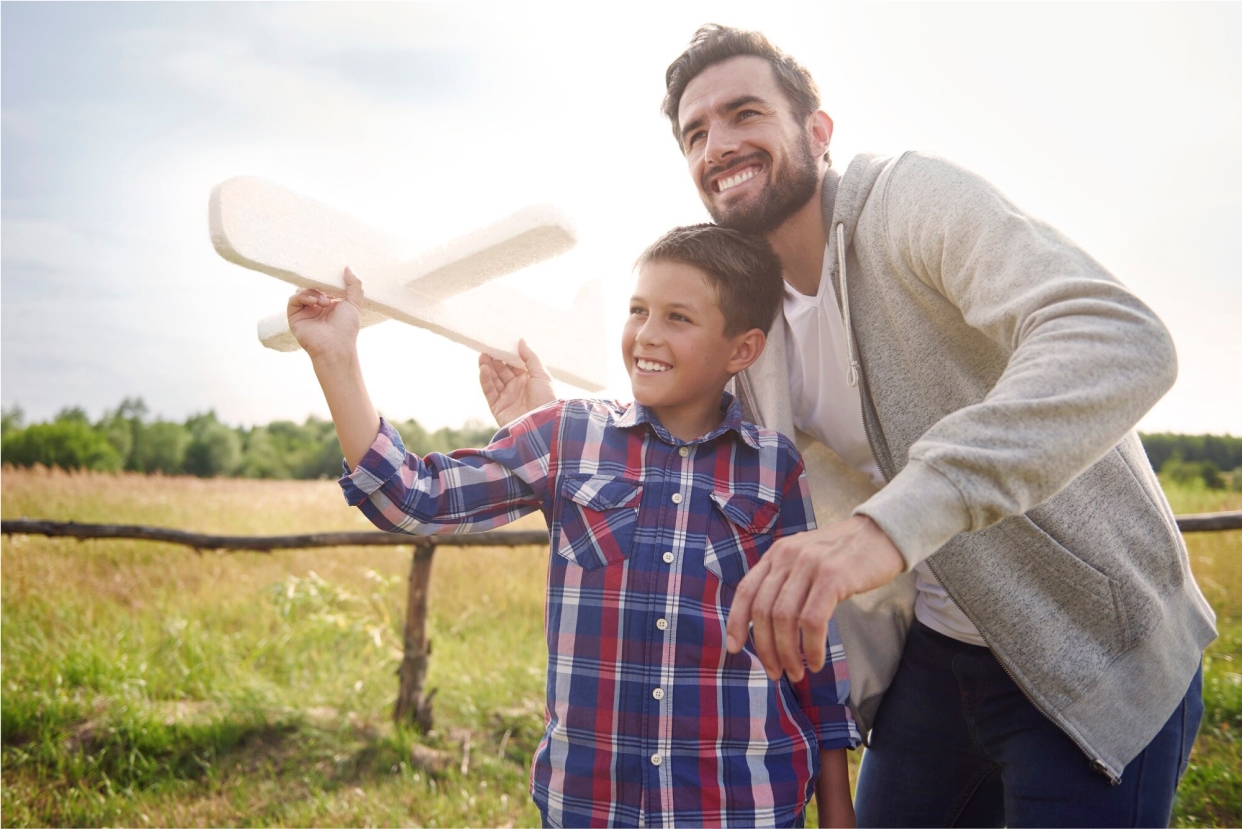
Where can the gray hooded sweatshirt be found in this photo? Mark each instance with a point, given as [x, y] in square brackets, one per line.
[1002, 371]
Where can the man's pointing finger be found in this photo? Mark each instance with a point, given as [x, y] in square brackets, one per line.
[738, 628]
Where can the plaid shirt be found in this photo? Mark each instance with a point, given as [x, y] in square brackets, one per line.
[650, 721]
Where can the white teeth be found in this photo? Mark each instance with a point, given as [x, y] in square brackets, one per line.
[733, 181]
[647, 365]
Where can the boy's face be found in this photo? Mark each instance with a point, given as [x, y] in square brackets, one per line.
[674, 345]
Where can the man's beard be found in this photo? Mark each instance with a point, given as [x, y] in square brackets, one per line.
[783, 197]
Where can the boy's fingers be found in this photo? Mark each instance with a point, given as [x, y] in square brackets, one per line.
[533, 364]
[307, 296]
[487, 379]
[353, 287]
[504, 372]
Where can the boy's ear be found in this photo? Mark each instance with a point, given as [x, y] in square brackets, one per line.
[747, 347]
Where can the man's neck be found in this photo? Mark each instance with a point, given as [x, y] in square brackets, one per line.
[799, 243]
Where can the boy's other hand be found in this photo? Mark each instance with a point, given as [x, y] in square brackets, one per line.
[797, 585]
[512, 391]
[327, 326]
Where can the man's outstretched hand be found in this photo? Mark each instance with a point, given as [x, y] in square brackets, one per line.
[512, 391]
[797, 585]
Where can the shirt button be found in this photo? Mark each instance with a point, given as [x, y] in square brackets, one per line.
[668, 558]
[684, 451]
[656, 759]
[658, 693]
[662, 624]
[676, 497]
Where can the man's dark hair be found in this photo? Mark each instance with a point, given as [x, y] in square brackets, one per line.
[744, 271]
[714, 43]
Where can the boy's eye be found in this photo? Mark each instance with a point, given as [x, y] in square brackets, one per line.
[679, 317]
[635, 309]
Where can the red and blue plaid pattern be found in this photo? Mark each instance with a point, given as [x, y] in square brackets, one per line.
[650, 721]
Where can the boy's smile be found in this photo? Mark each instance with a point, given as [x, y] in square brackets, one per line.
[675, 348]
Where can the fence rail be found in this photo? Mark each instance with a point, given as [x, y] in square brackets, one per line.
[413, 701]
[1202, 522]
[267, 543]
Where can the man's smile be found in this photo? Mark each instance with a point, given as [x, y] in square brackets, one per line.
[723, 184]
[719, 180]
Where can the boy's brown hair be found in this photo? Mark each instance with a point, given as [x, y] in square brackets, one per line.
[743, 270]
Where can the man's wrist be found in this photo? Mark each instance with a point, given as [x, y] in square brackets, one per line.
[919, 510]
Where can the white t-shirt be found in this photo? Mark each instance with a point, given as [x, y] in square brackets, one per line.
[829, 409]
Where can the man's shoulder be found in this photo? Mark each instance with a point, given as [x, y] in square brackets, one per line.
[920, 176]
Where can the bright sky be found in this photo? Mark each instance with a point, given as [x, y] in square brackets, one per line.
[1118, 123]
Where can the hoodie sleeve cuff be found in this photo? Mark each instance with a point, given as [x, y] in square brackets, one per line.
[919, 510]
[383, 460]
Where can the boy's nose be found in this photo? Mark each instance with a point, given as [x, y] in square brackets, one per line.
[649, 333]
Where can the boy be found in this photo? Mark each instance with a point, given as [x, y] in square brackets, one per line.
[656, 511]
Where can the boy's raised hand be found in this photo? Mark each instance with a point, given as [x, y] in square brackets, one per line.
[512, 391]
[327, 326]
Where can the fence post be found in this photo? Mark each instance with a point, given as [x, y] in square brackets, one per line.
[413, 706]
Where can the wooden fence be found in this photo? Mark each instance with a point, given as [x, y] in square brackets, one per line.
[413, 701]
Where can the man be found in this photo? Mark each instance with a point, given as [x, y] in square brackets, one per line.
[1026, 636]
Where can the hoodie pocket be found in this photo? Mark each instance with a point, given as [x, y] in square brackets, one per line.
[599, 514]
[738, 533]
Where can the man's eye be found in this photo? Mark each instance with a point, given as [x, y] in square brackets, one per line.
[746, 113]
[695, 138]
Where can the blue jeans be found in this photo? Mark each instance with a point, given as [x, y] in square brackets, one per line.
[956, 743]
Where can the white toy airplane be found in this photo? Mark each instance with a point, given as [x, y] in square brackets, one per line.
[264, 227]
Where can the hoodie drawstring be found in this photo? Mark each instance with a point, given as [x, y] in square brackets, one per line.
[851, 376]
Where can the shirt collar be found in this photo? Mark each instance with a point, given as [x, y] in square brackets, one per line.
[637, 415]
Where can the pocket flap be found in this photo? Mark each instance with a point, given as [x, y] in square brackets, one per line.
[601, 492]
[748, 512]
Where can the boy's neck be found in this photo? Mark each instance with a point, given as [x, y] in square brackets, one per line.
[691, 420]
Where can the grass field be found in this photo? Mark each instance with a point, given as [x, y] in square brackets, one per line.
[146, 685]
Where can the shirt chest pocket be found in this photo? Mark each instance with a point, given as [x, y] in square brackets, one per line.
[599, 514]
[739, 531]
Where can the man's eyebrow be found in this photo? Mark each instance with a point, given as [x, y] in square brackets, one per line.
[730, 106]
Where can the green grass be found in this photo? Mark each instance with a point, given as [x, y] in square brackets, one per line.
[146, 685]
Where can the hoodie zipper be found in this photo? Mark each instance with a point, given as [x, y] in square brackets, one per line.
[855, 378]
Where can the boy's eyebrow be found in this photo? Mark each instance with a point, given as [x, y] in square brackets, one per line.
[689, 306]
[729, 106]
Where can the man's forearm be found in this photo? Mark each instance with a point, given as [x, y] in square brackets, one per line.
[353, 414]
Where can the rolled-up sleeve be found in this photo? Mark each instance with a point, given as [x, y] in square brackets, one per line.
[468, 490]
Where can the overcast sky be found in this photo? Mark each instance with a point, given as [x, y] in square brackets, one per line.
[1118, 123]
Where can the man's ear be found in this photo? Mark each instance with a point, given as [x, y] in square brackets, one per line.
[820, 128]
[747, 347]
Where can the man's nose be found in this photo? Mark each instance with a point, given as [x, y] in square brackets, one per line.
[721, 144]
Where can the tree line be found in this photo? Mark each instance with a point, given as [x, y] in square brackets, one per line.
[126, 438]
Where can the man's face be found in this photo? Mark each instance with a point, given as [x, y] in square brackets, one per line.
[750, 159]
